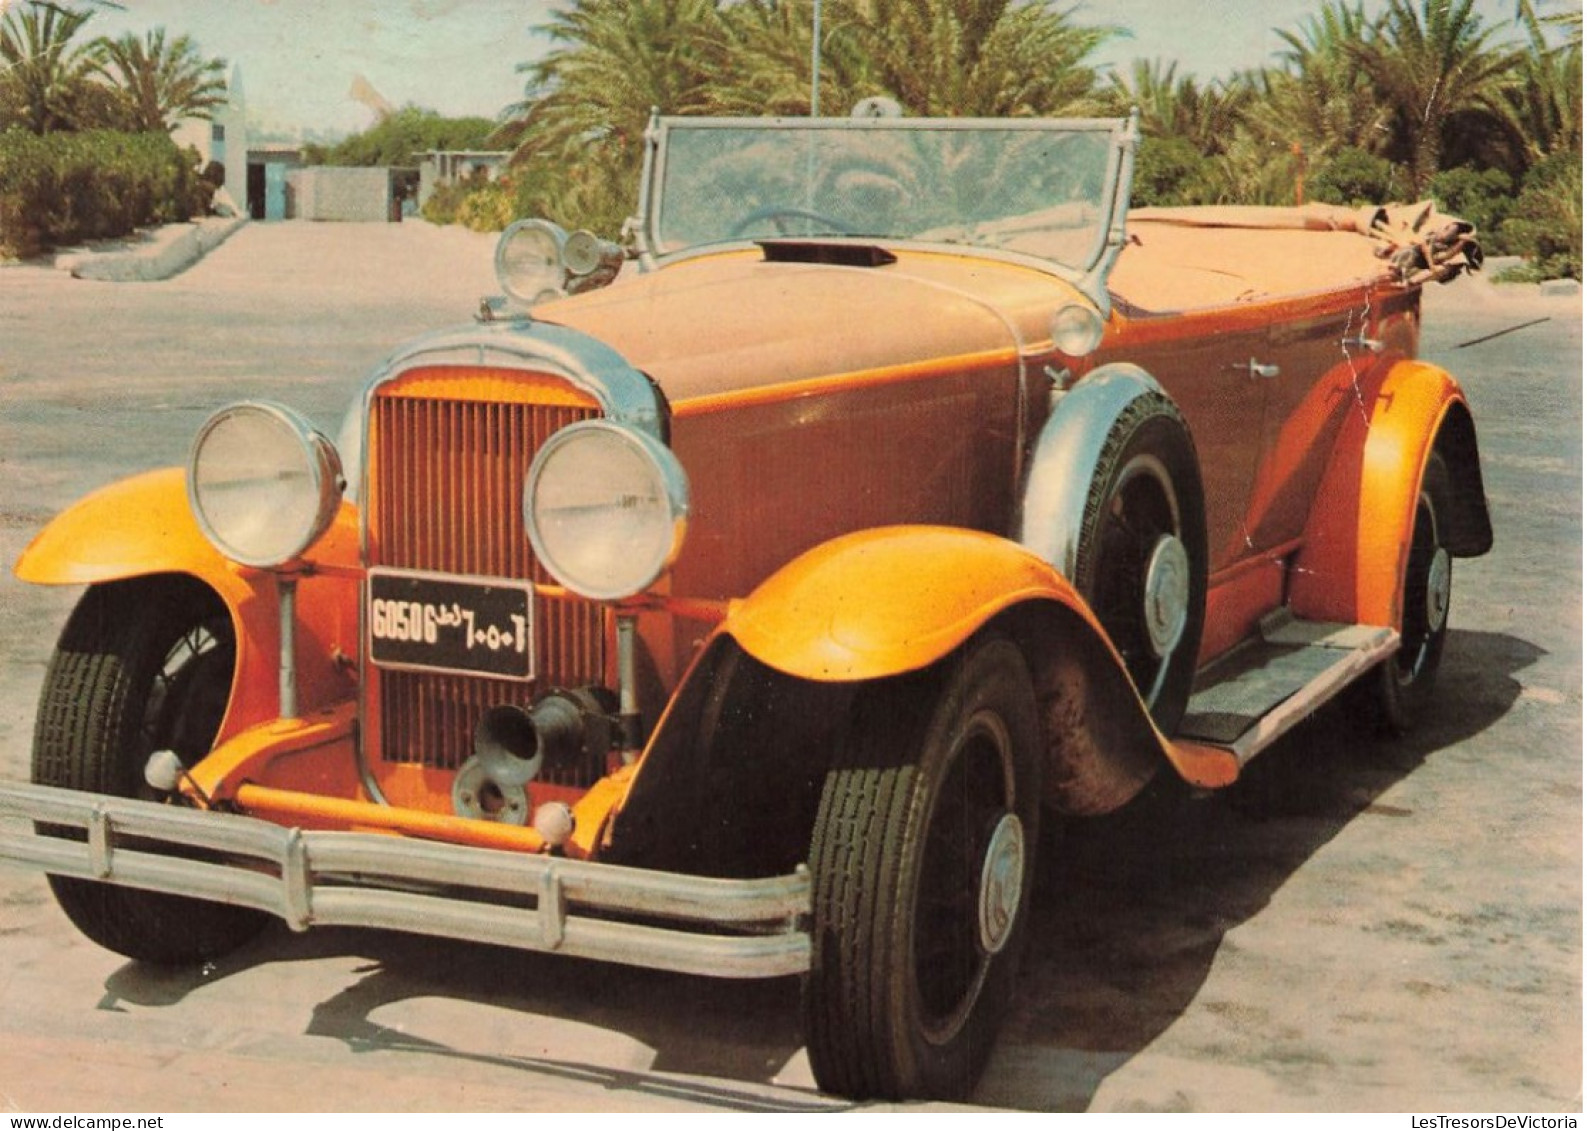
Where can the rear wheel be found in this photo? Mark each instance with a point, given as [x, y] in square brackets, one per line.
[1402, 687]
[922, 861]
[141, 666]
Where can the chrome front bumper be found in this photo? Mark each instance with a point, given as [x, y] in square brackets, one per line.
[660, 920]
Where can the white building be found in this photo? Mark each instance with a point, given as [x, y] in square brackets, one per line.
[224, 138]
[448, 166]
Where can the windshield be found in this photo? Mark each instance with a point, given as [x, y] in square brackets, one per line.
[1036, 187]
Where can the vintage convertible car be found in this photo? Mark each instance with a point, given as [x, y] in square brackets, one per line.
[750, 615]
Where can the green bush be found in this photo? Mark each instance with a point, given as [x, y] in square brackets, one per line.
[477, 203]
[1545, 225]
[1170, 171]
[65, 187]
[1353, 177]
[402, 138]
[1484, 197]
[441, 207]
[487, 209]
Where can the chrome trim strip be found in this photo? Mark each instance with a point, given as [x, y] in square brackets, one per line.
[1072, 125]
[1121, 177]
[637, 226]
[625, 395]
[366, 880]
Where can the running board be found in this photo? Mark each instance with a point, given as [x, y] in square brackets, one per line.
[1244, 702]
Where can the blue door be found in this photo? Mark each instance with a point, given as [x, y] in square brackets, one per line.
[275, 191]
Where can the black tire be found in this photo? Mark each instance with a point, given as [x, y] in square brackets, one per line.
[141, 666]
[926, 822]
[1401, 689]
[1142, 558]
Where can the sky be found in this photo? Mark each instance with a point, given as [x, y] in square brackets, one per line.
[299, 58]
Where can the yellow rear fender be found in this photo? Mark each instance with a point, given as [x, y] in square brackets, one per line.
[140, 529]
[1352, 566]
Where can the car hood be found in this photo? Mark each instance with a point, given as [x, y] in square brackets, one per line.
[735, 322]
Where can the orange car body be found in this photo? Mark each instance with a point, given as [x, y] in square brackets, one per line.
[1310, 476]
[893, 451]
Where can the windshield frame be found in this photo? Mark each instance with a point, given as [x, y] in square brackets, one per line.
[1089, 276]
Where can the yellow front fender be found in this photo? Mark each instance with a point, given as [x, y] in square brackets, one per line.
[143, 527]
[884, 602]
[887, 601]
[133, 528]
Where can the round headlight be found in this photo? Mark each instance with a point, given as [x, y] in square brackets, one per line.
[263, 484]
[606, 508]
[529, 260]
[1076, 330]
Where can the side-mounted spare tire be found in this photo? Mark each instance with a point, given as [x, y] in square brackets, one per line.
[1141, 563]
[141, 666]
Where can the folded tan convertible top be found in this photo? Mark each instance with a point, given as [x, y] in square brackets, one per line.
[1188, 258]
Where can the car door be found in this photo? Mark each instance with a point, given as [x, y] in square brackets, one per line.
[1320, 356]
[1204, 361]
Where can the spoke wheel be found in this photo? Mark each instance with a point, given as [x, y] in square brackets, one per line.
[1142, 562]
[922, 863]
[141, 666]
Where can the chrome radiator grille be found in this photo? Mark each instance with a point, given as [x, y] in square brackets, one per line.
[446, 496]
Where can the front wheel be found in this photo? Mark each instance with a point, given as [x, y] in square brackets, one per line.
[922, 861]
[141, 666]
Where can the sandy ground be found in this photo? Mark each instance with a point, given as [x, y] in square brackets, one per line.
[1361, 925]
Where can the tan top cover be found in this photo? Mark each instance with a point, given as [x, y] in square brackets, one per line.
[1187, 258]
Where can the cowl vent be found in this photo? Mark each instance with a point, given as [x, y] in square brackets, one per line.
[822, 251]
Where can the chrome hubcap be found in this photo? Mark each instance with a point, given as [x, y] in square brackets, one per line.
[1002, 880]
[1167, 595]
[1438, 584]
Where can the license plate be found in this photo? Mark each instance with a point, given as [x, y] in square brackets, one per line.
[467, 626]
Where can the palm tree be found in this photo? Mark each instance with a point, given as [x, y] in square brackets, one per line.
[992, 58]
[1179, 107]
[763, 64]
[613, 61]
[161, 83]
[1548, 98]
[578, 133]
[43, 77]
[1320, 98]
[1434, 63]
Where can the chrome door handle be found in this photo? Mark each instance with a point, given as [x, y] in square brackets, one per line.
[1258, 369]
[1361, 342]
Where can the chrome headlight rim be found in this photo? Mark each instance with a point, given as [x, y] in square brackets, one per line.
[542, 287]
[671, 486]
[320, 462]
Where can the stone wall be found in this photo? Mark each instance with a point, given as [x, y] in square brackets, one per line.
[323, 192]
